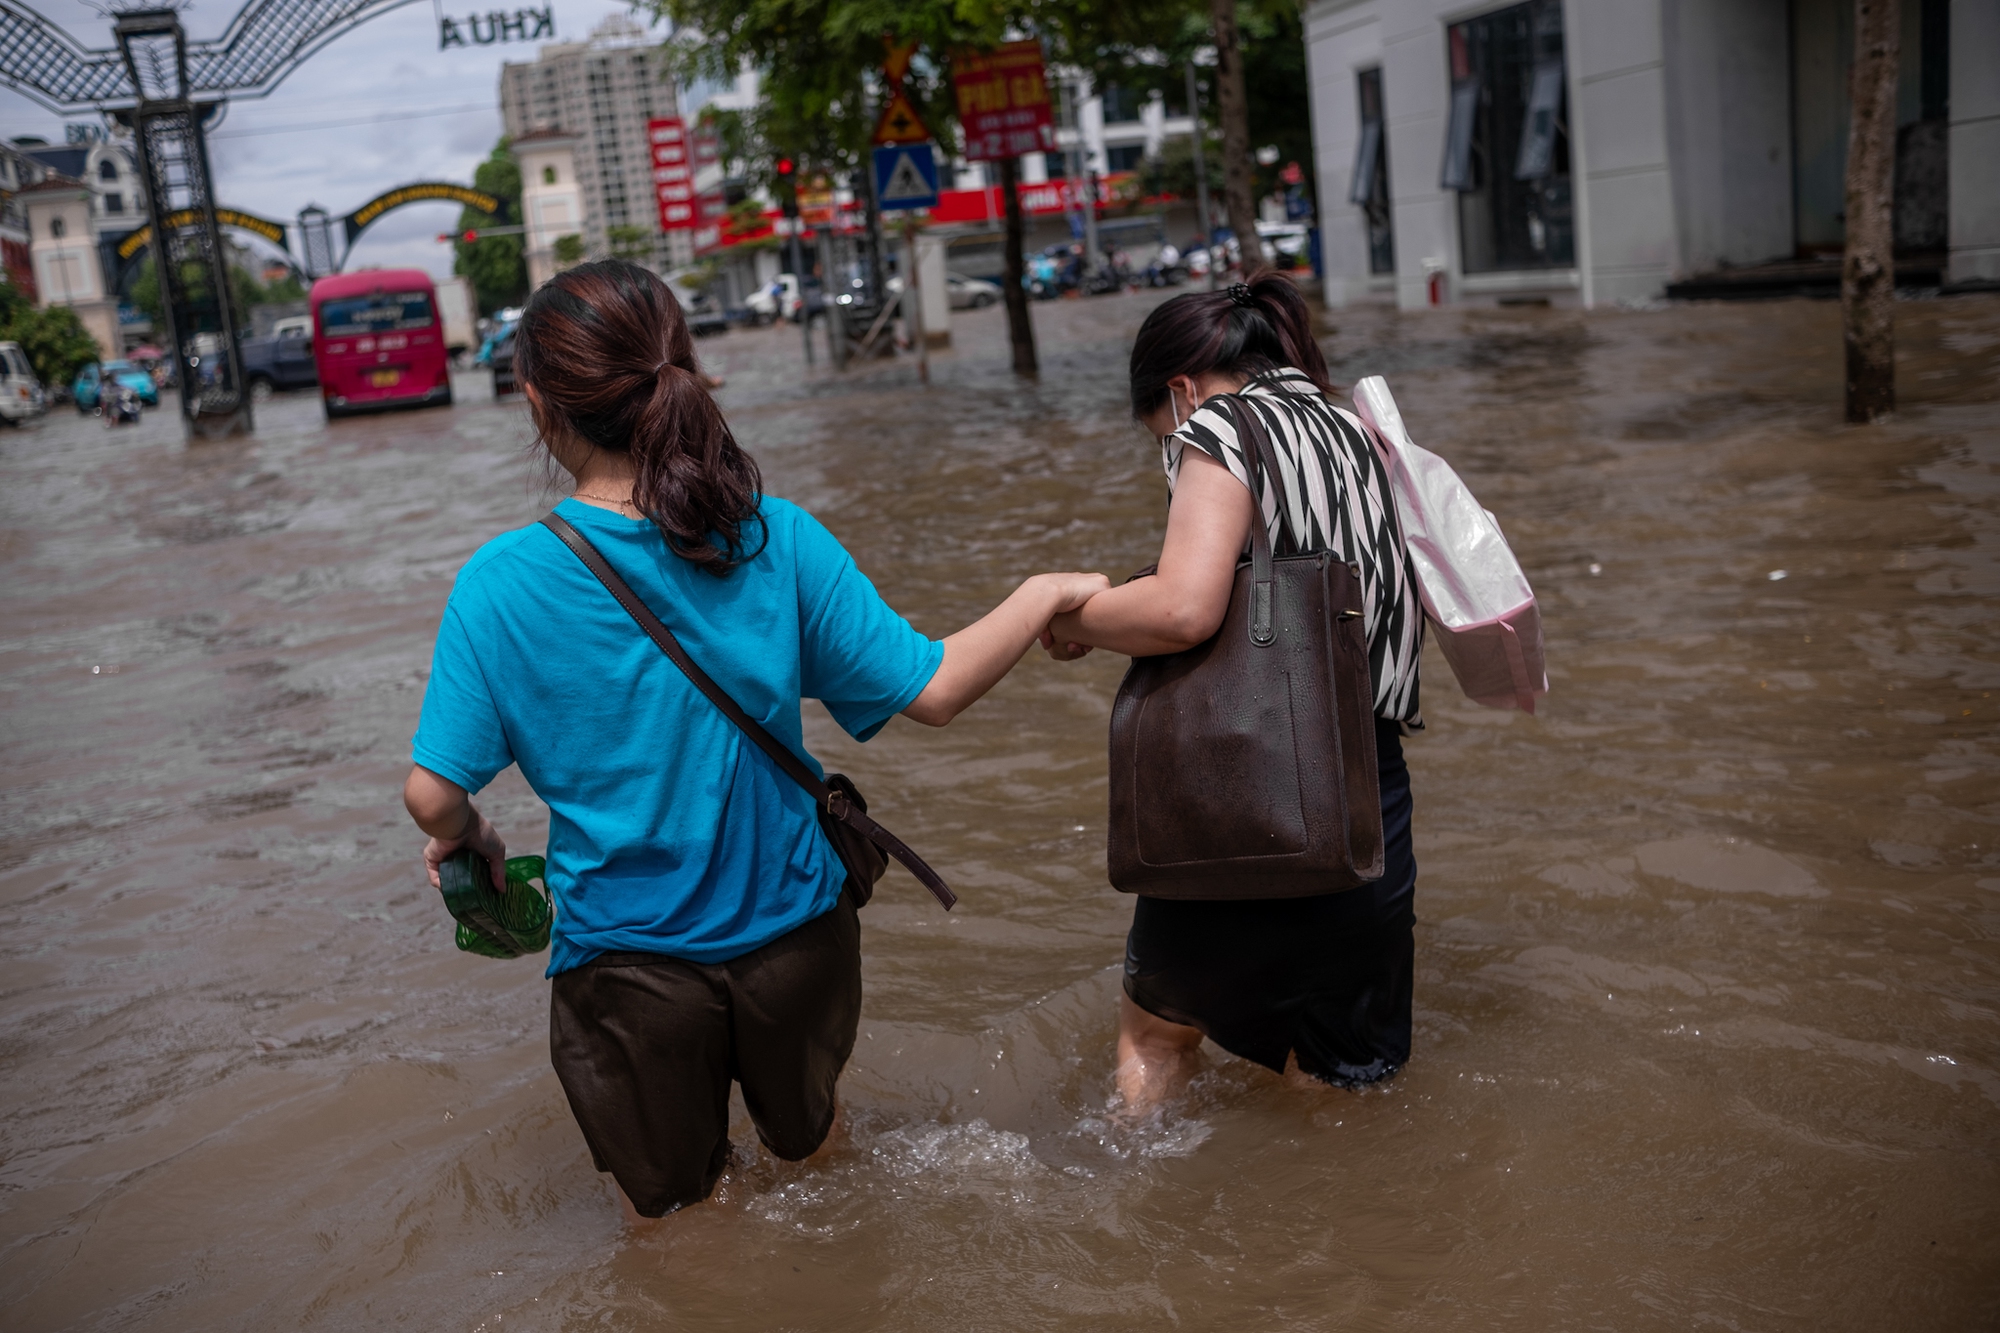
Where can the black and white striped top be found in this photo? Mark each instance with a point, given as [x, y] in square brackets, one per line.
[1331, 494]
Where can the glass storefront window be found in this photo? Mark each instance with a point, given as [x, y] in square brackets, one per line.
[1507, 142]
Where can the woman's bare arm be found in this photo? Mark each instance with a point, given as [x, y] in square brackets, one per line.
[1184, 603]
[977, 656]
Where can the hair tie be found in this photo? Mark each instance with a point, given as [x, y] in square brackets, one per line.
[1241, 295]
[664, 362]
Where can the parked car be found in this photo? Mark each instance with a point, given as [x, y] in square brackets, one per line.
[705, 316]
[21, 393]
[970, 293]
[282, 361]
[1284, 243]
[776, 300]
[89, 386]
[499, 354]
[502, 322]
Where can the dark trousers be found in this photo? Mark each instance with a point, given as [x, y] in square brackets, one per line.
[1329, 978]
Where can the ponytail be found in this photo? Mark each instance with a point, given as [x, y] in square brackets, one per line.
[609, 355]
[1249, 329]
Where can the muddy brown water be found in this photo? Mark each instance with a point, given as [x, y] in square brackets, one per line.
[1707, 1028]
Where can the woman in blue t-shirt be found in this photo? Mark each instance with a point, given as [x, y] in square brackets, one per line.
[701, 934]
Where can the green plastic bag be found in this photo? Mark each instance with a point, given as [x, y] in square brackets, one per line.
[492, 924]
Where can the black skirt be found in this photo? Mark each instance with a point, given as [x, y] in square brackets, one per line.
[1327, 977]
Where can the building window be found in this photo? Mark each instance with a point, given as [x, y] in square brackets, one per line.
[1369, 187]
[107, 170]
[1121, 104]
[1507, 142]
[114, 203]
[57, 227]
[1125, 157]
[548, 175]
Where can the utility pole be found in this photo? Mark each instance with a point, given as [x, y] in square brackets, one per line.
[1201, 174]
[913, 292]
[1868, 270]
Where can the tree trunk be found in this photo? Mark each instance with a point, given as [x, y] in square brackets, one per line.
[1019, 331]
[1868, 273]
[1232, 107]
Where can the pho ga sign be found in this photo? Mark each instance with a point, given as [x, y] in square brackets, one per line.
[522, 25]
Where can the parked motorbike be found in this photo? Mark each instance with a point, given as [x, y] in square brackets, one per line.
[119, 404]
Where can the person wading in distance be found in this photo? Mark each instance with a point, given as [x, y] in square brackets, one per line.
[1321, 981]
[701, 932]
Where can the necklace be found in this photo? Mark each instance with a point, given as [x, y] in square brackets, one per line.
[605, 499]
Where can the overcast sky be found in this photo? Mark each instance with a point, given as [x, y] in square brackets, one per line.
[423, 114]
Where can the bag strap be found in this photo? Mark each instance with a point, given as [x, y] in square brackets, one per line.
[1260, 458]
[829, 799]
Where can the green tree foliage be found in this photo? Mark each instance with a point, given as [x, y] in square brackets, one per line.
[494, 264]
[569, 250]
[55, 340]
[244, 289]
[1143, 47]
[629, 242]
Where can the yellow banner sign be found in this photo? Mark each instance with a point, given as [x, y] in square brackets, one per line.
[421, 192]
[274, 232]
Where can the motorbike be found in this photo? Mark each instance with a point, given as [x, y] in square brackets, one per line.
[119, 404]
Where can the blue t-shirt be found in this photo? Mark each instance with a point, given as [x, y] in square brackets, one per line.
[670, 832]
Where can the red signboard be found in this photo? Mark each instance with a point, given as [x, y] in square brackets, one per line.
[673, 173]
[1003, 101]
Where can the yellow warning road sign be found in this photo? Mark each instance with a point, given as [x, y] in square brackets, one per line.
[900, 122]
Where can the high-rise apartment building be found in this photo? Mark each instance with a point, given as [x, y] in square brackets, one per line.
[602, 91]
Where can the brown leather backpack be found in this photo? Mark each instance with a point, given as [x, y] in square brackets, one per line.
[1245, 767]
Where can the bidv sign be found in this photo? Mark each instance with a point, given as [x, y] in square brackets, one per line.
[523, 25]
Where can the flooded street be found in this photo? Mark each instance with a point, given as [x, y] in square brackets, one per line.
[1708, 989]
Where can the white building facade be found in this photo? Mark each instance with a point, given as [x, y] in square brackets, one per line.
[1593, 151]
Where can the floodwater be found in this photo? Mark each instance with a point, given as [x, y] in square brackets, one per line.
[1707, 1028]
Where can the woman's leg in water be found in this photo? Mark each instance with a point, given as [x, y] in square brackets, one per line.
[1155, 1057]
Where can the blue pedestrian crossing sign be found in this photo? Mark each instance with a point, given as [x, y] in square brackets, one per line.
[906, 176]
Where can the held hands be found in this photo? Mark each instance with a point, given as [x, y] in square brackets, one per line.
[1072, 590]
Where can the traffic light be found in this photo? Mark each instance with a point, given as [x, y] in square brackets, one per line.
[471, 236]
[788, 186]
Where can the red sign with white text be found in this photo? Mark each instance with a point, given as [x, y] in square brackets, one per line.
[673, 173]
[1003, 101]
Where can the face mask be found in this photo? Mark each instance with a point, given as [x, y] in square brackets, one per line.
[1175, 405]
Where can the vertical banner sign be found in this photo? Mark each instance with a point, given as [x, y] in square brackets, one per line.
[705, 149]
[673, 172]
[1003, 101]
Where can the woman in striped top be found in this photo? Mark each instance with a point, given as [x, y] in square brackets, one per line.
[1322, 981]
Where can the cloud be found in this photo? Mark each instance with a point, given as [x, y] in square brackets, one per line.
[439, 116]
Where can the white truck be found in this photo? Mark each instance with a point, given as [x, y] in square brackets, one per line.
[456, 308]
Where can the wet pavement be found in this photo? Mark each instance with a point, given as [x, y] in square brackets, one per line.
[1708, 1031]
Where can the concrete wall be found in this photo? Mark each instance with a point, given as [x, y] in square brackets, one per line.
[1341, 40]
[1626, 232]
[1729, 130]
[1975, 141]
[1626, 239]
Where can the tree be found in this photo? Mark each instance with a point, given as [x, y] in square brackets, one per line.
[56, 343]
[817, 60]
[494, 264]
[628, 242]
[1868, 271]
[244, 290]
[568, 250]
[1232, 104]
[1256, 85]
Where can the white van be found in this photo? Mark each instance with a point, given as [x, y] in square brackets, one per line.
[21, 394]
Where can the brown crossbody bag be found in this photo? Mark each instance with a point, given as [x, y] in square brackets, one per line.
[864, 846]
[1245, 767]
